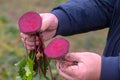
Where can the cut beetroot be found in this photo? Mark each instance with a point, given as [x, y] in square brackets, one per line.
[30, 22]
[57, 48]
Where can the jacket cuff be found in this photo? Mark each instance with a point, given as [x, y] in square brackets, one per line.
[63, 22]
[110, 68]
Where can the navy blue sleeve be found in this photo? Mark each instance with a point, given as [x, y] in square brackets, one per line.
[78, 16]
[110, 68]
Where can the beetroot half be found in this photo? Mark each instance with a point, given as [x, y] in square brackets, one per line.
[57, 48]
[30, 22]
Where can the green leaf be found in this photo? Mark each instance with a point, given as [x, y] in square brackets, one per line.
[27, 69]
[21, 72]
[21, 63]
[30, 64]
[18, 78]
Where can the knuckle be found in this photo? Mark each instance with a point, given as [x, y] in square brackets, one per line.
[30, 47]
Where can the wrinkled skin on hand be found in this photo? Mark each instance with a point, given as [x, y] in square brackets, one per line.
[48, 30]
[88, 67]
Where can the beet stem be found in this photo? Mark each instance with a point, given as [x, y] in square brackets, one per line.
[26, 52]
[50, 70]
[42, 51]
[44, 57]
[39, 70]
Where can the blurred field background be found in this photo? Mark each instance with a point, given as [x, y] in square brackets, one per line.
[11, 48]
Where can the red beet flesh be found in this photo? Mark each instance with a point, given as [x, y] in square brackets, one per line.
[57, 48]
[30, 22]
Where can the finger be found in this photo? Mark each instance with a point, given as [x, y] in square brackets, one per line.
[62, 73]
[70, 70]
[27, 43]
[75, 71]
[30, 47]
[48, 34]
[32, 38]
[29, 37]
[22, 35]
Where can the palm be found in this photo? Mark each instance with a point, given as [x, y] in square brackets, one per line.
[88, 67]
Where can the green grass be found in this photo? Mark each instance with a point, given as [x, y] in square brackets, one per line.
[11, 47]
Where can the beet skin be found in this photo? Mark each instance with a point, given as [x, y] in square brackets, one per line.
[57, 48]
[30, 22]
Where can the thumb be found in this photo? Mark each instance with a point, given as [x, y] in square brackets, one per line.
[72, 56]
[45, 22]
[50, 21]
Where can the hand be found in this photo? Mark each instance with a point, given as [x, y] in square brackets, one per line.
[48, 29]
[88, 67]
